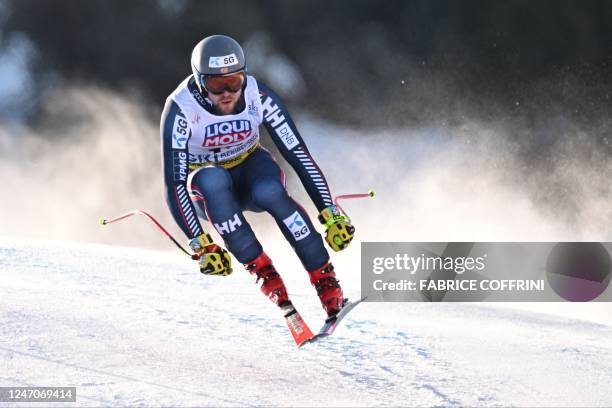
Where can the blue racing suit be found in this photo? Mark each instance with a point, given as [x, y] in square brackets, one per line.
[215, 168]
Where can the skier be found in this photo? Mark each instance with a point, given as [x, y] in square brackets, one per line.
[215, 168]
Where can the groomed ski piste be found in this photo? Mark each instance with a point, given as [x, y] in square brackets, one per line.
[135, 327]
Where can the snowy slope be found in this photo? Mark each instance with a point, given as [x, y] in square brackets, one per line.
[130, 327]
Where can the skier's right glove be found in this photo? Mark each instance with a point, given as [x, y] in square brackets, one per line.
[213, 259]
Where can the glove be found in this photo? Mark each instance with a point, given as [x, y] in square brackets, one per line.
[213, 259]
[339, 230]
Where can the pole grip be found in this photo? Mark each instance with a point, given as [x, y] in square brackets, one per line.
[336, 200]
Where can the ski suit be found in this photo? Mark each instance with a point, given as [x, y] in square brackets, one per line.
[215, 168]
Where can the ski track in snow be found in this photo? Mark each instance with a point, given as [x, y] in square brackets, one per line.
[136, 327]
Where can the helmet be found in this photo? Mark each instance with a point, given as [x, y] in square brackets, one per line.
[216, 55]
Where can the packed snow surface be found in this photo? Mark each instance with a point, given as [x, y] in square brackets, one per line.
[134, 327]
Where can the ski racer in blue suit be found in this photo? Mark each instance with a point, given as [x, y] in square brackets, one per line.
[215, 168]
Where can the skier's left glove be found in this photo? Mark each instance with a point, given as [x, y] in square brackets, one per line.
[213, 259]
[339, 230]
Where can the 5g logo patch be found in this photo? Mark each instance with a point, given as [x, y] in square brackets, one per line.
[297, 226]
[222, 61]
[180, 133]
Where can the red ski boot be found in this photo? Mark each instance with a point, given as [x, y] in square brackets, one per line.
[329, 290]
[272, 286]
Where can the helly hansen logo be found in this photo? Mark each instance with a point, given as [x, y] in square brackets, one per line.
[274, 117]
[229, 225]
[272, 112]
[297, 226]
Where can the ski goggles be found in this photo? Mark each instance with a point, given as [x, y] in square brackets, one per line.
[219, 84]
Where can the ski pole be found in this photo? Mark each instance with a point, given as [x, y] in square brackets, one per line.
[336, 199]
[104, 221]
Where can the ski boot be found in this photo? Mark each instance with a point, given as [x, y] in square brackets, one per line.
[272, 285]
[328, 288]
[274, 288]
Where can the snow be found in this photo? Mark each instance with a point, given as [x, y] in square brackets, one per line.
[134, 327]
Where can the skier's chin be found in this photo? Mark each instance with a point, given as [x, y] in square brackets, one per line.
[227, 106]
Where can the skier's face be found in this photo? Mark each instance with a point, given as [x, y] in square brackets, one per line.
[225, 90]
[225, 103]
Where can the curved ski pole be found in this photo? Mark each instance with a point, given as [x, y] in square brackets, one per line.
[336, 199]
[104, 221]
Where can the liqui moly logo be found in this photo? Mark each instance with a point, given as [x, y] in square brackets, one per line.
[227, 133]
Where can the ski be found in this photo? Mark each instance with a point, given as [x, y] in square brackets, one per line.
[332, 322]
[297, 326]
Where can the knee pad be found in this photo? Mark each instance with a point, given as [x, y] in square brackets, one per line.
[268, 191]
[210, 180]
